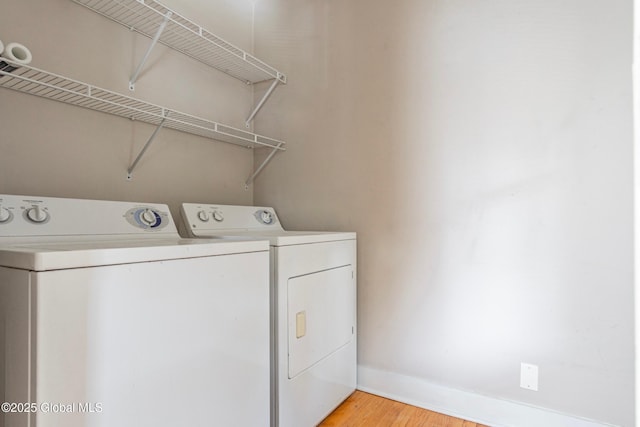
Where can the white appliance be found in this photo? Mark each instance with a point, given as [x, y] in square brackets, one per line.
[109, 318]
[313, 284]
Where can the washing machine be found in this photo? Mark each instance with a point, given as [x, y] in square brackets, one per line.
[313, 300]
[109, 318]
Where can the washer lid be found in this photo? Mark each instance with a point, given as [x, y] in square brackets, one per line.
[279, 237]
[66, 254]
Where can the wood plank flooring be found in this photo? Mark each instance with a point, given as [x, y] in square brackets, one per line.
[364, 409]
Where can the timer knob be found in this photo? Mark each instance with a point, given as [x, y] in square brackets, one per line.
[5, 215]
[202, 216]
[266, 217]
[37, 214]
[218, 216]
[148, 217]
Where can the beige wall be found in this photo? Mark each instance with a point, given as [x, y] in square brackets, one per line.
[53, 149]
[483, 152]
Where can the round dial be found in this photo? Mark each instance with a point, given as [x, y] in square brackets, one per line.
[203, 216]
[266, 217]
[218, 216]
[37, 214]
[149, 218]
[5, 215]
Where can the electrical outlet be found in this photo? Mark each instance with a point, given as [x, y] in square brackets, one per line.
[529, 376]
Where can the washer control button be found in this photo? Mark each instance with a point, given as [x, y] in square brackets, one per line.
[265, 217]
[147, 218]
[150, 218]
[37, 214]
[5, 215]
[217, 215]
[203, 216]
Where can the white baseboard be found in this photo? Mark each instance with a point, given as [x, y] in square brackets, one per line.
[462, 404]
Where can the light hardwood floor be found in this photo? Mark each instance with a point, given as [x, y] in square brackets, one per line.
[368, 410]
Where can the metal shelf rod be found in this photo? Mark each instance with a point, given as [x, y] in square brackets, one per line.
[261, 102]
[250, 180]
[153, 136]
[163, 24]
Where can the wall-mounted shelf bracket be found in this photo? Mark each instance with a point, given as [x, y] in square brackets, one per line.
[153, 136]
[260, 103]
[136, 73]
[249, 181]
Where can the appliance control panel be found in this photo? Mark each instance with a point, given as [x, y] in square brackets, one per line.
[225, 218]
[50, 216]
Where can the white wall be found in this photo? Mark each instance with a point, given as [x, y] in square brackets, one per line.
[483, 152]
[53, 149]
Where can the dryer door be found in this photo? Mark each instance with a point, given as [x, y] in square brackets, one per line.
[320, 316]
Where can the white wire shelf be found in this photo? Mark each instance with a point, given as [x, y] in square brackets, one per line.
[41, 83]
[183, 35]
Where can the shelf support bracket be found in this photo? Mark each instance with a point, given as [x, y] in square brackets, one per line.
[249, 181]
[163, 24]
[153, 136]
[261, 102]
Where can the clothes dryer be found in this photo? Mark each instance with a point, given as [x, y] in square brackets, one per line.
[313, 315]
[109, 318]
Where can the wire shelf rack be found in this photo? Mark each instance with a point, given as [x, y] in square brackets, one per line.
[44, 84]
[183, 35]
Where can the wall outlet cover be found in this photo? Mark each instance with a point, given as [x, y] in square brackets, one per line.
[529, 376]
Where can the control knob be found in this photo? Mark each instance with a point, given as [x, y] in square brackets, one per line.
[218, 216]
[203, 216]
[266, 217]
[148, 217]
[37, 214]
[5, 215]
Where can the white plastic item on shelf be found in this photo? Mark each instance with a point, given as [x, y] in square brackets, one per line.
[17, 53]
